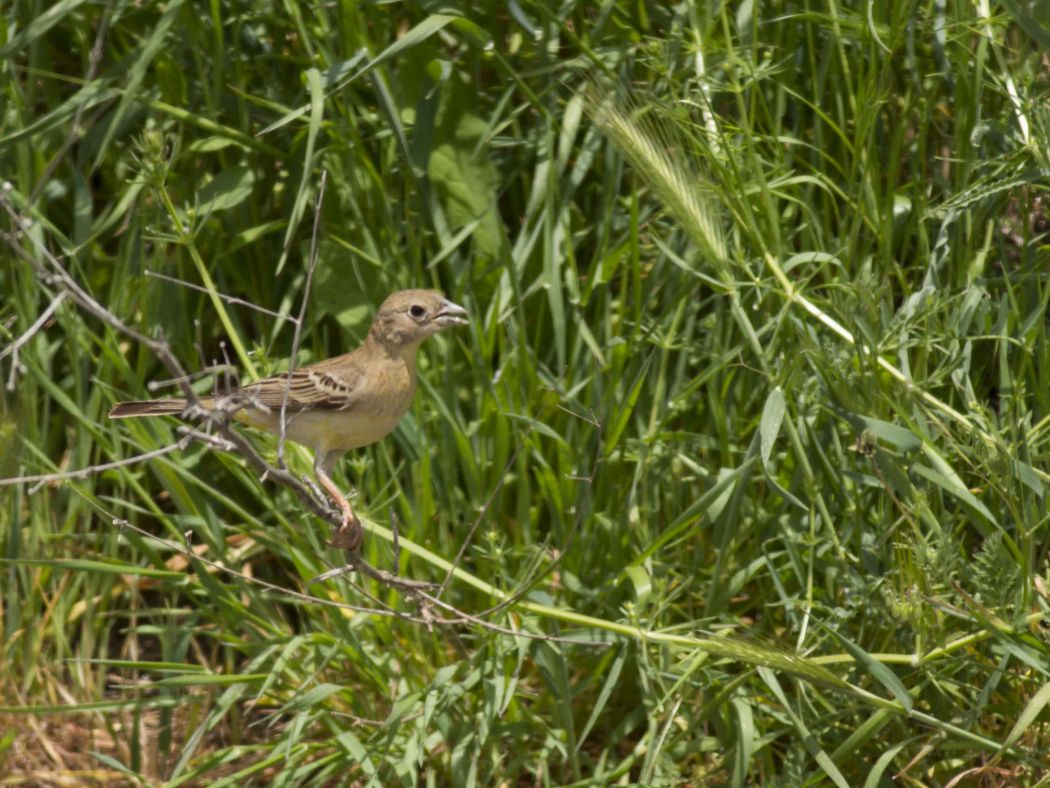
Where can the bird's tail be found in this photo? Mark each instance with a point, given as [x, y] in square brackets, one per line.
[149, 407]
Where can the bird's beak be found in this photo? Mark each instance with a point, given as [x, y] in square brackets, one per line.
[451, 315]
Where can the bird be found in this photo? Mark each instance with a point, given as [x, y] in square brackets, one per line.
[339, 404]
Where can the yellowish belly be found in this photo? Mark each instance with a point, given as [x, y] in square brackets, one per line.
[326, 430]
[376, 406]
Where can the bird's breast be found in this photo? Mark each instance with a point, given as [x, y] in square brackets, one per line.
[372, 413]
[375, 404]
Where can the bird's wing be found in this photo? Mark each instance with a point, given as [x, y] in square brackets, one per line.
[330, 385]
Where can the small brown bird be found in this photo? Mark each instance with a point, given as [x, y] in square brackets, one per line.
[341, 403]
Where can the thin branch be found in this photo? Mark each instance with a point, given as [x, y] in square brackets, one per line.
[229, 385]
[30, 332]
[75, 130]
[481, 515]
[37, 325]
[219, 418]
[51, 271]
[83, 473]
[54, 273]
[297, 336]
[204, 437]
[204, 371]
[227, 298]
[460, 616]
[224, 569]
[357, 564]
[530, 583]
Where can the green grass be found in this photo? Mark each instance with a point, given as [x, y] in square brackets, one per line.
[755, 400]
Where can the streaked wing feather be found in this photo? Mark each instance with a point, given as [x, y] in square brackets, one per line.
[310, 388]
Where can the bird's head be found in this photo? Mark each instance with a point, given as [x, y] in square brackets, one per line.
[408, 317]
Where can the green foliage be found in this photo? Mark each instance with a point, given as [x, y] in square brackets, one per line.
[754, 401]
[996, 577]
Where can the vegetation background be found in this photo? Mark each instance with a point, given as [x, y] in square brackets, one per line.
[755, 401]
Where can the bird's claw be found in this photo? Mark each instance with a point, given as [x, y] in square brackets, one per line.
[349, 535]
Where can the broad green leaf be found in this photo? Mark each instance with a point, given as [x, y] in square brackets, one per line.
[643, 584]
[226, 190]
[955, 489]
[822, 258]
[901, 437]
[807, 738]
[103, 706]
[1038, 29]
[708, 505]
[313, 696]
[626, 407]
[881, 673]
[337, 291]
[89, 96]
[772, 418]
[1028, 475]
[745, 727]
[608, 687]
[428, 27]
[211, 680]
[302, 195]
[460, 169]
[874, 778]
[50, 17]
[135, 75]
[212, 144]
[1031, 712]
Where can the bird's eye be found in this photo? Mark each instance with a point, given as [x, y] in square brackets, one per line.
[416, 310]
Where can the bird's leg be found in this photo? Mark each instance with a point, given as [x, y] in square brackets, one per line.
[349, 535]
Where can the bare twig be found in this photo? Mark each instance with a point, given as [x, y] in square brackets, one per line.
[154, 385]
[51, 271]
[224, 569]
[29, 333]
[297, 336]
[530, 583]
[460, 618]
[229, 386]
[83, 473]
[75, 129]
[204, 437]
[37, 325]
[358, 564]
[240, 445]
[481, 516]
[466, 618]
[314, 487]
[227, 298]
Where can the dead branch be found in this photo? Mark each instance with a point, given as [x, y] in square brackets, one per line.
[84, 473]
[229, 299]
[12, 349]
[297, 335]
[51, 271]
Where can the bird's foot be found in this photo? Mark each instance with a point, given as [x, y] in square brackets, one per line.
[349, 535]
